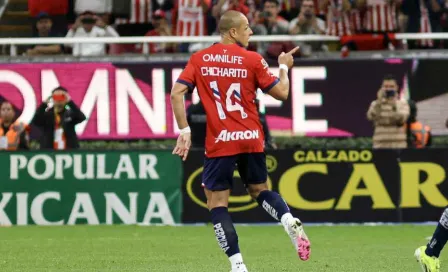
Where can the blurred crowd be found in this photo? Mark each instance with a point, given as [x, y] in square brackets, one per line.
[361, 24]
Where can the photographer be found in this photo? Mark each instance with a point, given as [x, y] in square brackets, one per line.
[389, 115]
[307, 23]
[57, 118]
[90, 25]
[268, 22]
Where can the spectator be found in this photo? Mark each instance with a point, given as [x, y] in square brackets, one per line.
[305, 24]
[103, 8]
[161, 28]
[380, 15]
[290, 9]
[418, 135]
[269, 23]
[90, 25]
[44, 26]
[189, 19]
[254, 7]
[57, 118]
[338, 17]
[222, 6]
[389, 114]
[13, 135]
[422, 17]
[225, 5]
[140, 18]
[356, 19]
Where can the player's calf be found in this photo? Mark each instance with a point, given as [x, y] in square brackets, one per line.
[226, 236]
[273, 204]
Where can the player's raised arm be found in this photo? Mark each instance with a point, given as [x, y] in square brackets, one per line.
[281, 90]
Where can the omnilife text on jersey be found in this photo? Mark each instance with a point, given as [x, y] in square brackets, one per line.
[222, 58]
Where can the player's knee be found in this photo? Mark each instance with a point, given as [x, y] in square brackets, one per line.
[218, 199]
[255, 189]
[214, 204]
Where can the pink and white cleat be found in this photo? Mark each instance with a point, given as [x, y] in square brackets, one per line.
[299, 239]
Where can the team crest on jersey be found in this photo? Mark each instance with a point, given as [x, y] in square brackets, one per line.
[265, 64]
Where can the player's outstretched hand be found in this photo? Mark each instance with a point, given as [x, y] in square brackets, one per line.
[287, 58]
[183, 145]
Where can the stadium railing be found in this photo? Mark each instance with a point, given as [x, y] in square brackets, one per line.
[14, 42]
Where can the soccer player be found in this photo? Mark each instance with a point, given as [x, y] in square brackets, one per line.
[227, 77]
[428, 256]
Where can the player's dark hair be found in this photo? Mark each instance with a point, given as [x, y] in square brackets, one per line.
[272, 1]
[6, 102]
[390, 77]
[60, 88]
[12, 106]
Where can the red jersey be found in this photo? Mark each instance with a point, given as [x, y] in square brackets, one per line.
[141, 13]
[190, 18]
[227, 78]
[380, 16]
[338, 20]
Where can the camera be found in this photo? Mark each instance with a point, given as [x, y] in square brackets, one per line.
[389, 93]
[88, 21]
[308, 15]
[266, 14]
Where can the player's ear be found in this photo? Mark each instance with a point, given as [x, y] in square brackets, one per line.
[233, 32]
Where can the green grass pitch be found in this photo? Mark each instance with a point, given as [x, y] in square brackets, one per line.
[185, 249]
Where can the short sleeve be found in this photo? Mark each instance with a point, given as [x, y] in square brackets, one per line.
[187, 76]
[265, 79]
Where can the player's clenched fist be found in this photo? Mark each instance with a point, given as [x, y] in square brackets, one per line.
[287, 58]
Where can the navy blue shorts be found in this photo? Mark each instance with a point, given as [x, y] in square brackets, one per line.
[218, 172]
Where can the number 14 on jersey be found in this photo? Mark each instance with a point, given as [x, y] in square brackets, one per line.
[235, 91]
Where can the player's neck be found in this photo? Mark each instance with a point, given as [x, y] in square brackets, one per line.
[226, 41]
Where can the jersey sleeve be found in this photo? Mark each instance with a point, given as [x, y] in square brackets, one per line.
[265, 79]
[187, 76]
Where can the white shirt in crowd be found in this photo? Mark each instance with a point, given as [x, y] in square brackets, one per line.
[95, 6]
[91, 49]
